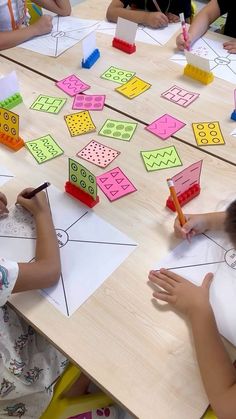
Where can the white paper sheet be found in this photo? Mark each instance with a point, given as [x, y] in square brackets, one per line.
[126, 30]
[210, 253]
[89, 45]
[67, 31]
[5, 175]
[90, 248]
[8, 85]
[222, 64]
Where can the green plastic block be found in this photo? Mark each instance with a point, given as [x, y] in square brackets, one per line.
[11, 101]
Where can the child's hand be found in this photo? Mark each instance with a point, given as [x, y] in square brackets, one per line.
[43, 25]
[3, 205]
[156, 20]
[180, 293]
[195, 224]
[36, 205]
[181, 43]
[172, 18]
[230, 46]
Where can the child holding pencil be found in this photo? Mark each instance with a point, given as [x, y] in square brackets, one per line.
[218, 373]
[14, 20]
[153, 13]
[206, 16]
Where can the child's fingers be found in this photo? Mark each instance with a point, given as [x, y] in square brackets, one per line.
[163, 296]
[172, 276]
[157, 280]
[206, 283]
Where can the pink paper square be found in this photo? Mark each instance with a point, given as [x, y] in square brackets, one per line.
[165, 126]
[72, 85]
[180, 96]
[188, 177]
[98, 154]
[89, 102]
[115, 184]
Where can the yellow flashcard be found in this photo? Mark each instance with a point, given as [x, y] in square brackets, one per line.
[9, 123]
[134, 87]
[79, 123]
[208, 133]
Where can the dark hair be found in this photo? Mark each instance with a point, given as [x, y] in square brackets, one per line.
[230, 222]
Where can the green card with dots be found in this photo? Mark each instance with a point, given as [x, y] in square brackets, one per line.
[118, 129]
[117, 75]
[82, 178]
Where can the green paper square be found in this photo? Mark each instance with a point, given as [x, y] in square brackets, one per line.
[48, 104]
[162, 158]
[118, 75]
[82, 178]
[44, 148]
[118, 129]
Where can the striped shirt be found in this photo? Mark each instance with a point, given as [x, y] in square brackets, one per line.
[12, 14]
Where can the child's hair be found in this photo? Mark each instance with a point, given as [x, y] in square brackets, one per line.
[230, 222]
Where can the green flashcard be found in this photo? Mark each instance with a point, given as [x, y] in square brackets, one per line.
[48, 104]
[44, 148]
[82, 178]
[117, 75]
[118, 129]
[162, 158]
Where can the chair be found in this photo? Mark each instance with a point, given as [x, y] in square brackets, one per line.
[62, 407]
[193, 10]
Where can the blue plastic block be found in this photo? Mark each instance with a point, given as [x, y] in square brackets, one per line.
[91, 59]
[233, 115]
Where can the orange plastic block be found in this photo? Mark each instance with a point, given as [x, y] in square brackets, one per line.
[184, 197]
[13, 143]
[123, 45]
[81, 195]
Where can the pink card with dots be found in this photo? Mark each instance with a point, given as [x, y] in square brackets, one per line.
[89, 102]
[165, 126]
[98, 154]
[72, 85]
[114, 184]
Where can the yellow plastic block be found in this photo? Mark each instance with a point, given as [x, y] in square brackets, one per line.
[196, 73]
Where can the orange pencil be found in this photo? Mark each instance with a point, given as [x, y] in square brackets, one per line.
[178, 208]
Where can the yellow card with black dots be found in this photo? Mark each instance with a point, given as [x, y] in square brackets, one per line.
[9, 123]
[79, 123]
[133, 88]
[208, 133]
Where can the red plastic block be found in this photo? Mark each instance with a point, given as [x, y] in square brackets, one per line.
[184, 197]
[13, 143]
[81, 195]
[123, 45]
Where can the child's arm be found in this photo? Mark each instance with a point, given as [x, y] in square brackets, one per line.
[199, 223]
[3, 204]
[10, 39]
[60, 7]
[200, 24]
[45, 270]
[152, 19]
[217, 371]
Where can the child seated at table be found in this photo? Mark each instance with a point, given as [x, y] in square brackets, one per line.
[206, 16]
[217, 371]
[153, 13]
[14, 20]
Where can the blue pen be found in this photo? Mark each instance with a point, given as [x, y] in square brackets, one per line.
[37, 9]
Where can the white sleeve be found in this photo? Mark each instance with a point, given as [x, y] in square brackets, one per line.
[8, 276]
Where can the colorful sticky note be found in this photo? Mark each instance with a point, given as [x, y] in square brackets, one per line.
[44, 148]
[165, 126]
[82, 178]
[79, 123]
[187, 178]
[134, 87]
[98, 154]
[90, 102]
[118, 129]
[208, 133]
[180, 96]
[9, 123]
[162, 158]
[115, 184]
[117, 75]
[72, 85]
[48, 104]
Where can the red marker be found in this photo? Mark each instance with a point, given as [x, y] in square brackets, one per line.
[184, 30]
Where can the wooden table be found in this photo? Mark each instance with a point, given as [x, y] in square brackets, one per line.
[138, 352]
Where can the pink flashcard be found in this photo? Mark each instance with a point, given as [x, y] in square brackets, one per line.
[98, 154]
[89, 102]
[165, 126]
[72, 85]
[180, 96]
[114, 184]
[187, 177]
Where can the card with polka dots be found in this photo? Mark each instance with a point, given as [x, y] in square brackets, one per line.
[9, 123]
[208, 133]
[117, 75]
[72, 85]
[98, 154]
[133, 88]
[114, 184]
[79, 123]
[118, 129]
[81, 177]
[44, 148]
[89, 102]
